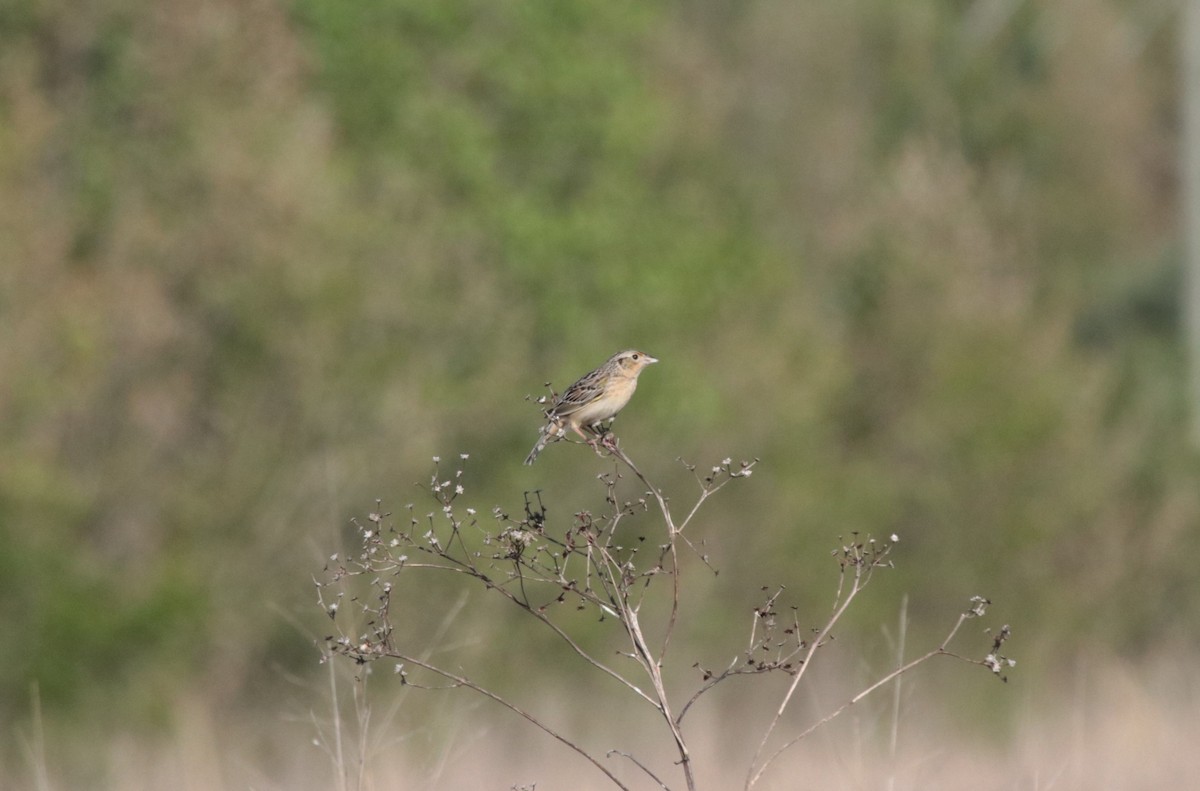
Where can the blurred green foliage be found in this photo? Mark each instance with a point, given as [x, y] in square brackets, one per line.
[261, 261]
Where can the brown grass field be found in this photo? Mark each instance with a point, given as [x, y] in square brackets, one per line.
[1114, 726]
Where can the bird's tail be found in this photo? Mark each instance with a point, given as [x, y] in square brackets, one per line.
[550, 432]
[538, 448]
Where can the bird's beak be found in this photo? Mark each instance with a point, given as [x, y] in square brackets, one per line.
[650, 359]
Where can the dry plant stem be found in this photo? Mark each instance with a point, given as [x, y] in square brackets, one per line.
[653, 668]
[939, 651]
[339, 760]
[527, 608]
[639, 765]
[529, 569]
[840, 606]
[337, 752]
[363, 709]
[740, 666]
[531, 563]
[464, 682]
[629, 614]
[629, 617]
[672, 533]
[894, 736]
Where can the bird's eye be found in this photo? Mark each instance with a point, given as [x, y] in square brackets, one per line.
[635, 356]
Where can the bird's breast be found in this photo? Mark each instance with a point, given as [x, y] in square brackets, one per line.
[616, 395]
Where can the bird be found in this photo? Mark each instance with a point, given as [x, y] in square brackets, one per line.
[596, 397]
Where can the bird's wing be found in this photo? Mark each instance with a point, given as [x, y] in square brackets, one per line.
[580, 394]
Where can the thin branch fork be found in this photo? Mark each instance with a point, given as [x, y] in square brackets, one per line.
[941, 650]
[461, 681]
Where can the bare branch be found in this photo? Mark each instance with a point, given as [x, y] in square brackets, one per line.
[465, 682]
[639, 765]
[586, 564]
[941, 650]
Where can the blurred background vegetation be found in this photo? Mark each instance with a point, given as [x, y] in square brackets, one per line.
[260, 261]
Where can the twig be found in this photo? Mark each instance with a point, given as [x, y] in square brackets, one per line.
[939, 651]
[840, 609]
[639, 765]
[465, 682]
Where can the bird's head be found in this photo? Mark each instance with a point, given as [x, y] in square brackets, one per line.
[631, 361]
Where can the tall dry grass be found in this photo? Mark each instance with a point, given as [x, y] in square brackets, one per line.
[1110, 724]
